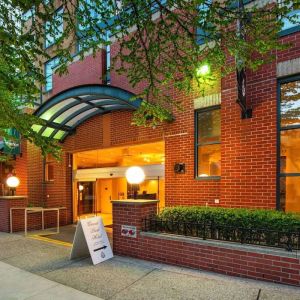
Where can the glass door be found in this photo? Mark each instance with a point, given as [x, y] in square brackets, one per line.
[86, 198]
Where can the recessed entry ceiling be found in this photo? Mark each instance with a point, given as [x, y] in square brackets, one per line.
[144, 154]
[68, 109]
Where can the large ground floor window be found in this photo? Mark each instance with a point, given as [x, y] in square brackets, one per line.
[289, 135]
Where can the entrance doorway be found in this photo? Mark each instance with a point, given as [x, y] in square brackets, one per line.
[86, 198]
[101, 173]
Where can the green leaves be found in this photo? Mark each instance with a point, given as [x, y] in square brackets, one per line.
[234, 217]
[156, 46]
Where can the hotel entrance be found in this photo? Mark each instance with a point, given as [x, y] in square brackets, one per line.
[99, 177]
[86, 198]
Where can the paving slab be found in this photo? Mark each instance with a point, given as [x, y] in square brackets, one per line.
[42, 259]
[16, 247]
[102, 280]
[166, 285]
[19, 284]
[9, 237]
[60, 292]
[279, 295]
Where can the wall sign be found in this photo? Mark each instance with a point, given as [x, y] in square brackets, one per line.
[12, 146]
[91, 239]
[129, 231]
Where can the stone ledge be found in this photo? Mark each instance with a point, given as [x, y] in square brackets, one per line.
[222, 244]
[288, 67]
[134, 202]
[12, 197]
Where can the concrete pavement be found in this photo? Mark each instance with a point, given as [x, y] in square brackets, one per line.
[119, 278]
[19, 284]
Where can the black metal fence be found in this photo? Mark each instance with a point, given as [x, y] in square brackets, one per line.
[211, 231]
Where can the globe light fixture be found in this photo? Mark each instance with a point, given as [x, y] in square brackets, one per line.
[12, 182]
[203, 70]
[80, 187]
[135, 175]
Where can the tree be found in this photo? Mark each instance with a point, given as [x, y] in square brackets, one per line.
[162, 42]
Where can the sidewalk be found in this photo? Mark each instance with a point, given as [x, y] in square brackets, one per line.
[19, 284]
[120, 278]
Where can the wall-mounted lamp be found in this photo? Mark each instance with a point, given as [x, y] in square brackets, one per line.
[80, 187]
[12, 182]
[179, 168]
[203, 70]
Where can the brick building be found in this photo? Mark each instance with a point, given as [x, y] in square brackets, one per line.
[226, 160]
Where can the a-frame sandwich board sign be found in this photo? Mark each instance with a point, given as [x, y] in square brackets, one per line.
[91, 239]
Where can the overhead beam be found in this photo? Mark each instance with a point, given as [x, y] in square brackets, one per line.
[88, 103]
[58, 126]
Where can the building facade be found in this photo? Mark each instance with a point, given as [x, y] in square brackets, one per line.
[208, 155]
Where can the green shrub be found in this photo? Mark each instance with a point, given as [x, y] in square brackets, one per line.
[234, 217]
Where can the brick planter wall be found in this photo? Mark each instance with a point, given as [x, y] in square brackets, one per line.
[5, 205]
[227, 258]
[130, 214]
[34, 220]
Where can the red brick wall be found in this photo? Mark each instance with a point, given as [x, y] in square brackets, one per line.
[242, 263]
[49, 194]
[248, 149]
[21, 170]
[249, 146]
[5, 206]
[36, 192]
[129, 214]
[88, 71]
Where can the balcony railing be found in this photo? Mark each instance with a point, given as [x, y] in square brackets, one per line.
[209, 230]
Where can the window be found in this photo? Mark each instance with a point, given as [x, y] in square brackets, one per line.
[49, 168]
[49, 66]
[83, 24]
[201, 33]
[107, 61]
[208, 147]
[54, 28]
[289, 134]
[28, 14]
[290, 26]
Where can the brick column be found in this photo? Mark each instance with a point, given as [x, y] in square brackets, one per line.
[130, 213]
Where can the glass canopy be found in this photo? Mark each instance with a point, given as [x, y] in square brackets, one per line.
[68, 109]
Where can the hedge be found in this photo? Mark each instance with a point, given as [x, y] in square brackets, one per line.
[234, 217]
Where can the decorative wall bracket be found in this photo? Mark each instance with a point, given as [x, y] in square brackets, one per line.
[246, 113]
[241, 87]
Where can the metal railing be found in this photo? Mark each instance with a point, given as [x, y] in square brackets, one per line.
[209, 230]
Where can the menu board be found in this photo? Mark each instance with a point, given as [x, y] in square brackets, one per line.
[91, 239]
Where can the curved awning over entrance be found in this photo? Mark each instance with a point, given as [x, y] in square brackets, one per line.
[68, 109]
